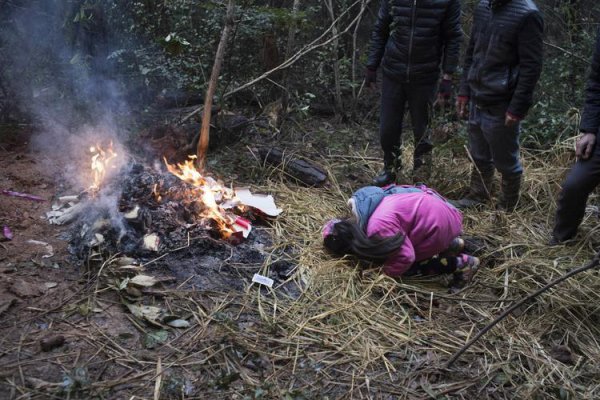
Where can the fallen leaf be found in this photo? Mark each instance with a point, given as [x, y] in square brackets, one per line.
[123, 261]
[179, 323]
[143, 280]
[25, 289]
[151, 339]
[149, 313]
[50, 285]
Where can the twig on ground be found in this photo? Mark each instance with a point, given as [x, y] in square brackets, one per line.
[592, 264]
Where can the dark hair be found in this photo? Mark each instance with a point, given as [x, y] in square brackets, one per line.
[348, 238]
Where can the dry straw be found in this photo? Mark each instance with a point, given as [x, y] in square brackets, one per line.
[370, 335]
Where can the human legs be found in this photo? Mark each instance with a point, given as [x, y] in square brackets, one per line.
[393, 101]
[482, 173]
[463, 265]
[503, 144]
[580, 182]
[420, 100]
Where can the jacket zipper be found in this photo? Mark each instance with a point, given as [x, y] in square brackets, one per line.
[410, 42]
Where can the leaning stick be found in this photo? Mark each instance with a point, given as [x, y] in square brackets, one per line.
[593, 263]
[212, 84]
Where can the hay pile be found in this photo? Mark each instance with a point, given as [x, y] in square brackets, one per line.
[356, 333]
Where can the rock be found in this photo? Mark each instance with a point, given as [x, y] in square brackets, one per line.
[51, 342]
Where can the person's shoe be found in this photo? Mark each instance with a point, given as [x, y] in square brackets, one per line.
[455, 248]
[466, 202]
[467, 267]
[554, 241]
[385, 177]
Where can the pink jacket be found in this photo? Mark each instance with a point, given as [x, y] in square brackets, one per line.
[428, 223]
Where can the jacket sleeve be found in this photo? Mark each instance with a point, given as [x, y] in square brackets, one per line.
[400, 262]
[452, 34]
[463, 89]
[530, 49]
[590, 120]
[379, 36]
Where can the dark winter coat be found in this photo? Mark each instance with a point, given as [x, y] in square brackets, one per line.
[503, 61]
[412, 38]
[590, 120]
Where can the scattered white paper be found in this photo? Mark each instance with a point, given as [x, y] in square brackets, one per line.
[151, 242]
[262, 202]
[263, 280]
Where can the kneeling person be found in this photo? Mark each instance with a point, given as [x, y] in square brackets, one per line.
[410, 229]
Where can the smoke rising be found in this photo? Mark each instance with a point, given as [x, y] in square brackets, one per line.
[58, 72]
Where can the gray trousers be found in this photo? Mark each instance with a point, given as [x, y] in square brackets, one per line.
[581, 181]
[394, 98]
[493, 144]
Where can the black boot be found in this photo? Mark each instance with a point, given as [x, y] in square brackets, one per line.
[388, 174]
[385, 177]
[511, 189]
[480, 189]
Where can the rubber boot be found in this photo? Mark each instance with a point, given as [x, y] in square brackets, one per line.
[480, 189]
[511, 189]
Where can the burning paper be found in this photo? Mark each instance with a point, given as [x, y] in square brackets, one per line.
[208, 195]
[102, 160]
[263, 203]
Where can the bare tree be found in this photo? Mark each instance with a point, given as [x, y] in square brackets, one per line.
[212, 84]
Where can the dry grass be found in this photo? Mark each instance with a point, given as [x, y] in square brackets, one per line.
[375, 336]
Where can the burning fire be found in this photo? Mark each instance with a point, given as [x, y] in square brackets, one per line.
[102, 160]
[210, 194]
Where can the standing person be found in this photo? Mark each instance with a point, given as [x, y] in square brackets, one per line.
[410, 229]
[502, 66]
[585, 174]
[411, 40]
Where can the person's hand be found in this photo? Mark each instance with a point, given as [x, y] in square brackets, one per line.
[444, 92]
[370, 78]
[462, 103]
[511, 120]
[585, 146]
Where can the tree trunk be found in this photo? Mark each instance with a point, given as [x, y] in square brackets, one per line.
[336, 64]
[212, 84]
[291, 40]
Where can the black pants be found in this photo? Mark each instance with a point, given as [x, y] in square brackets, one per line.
[581, 181]
[394, 98]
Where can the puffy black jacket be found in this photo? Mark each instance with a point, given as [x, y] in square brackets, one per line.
[504, 59]
[412, 38]
[590, 120]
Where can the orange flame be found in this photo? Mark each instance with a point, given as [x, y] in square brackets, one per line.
[210, 194]
[102, 160]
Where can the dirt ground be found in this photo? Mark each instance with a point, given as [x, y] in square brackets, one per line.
[66, 335]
